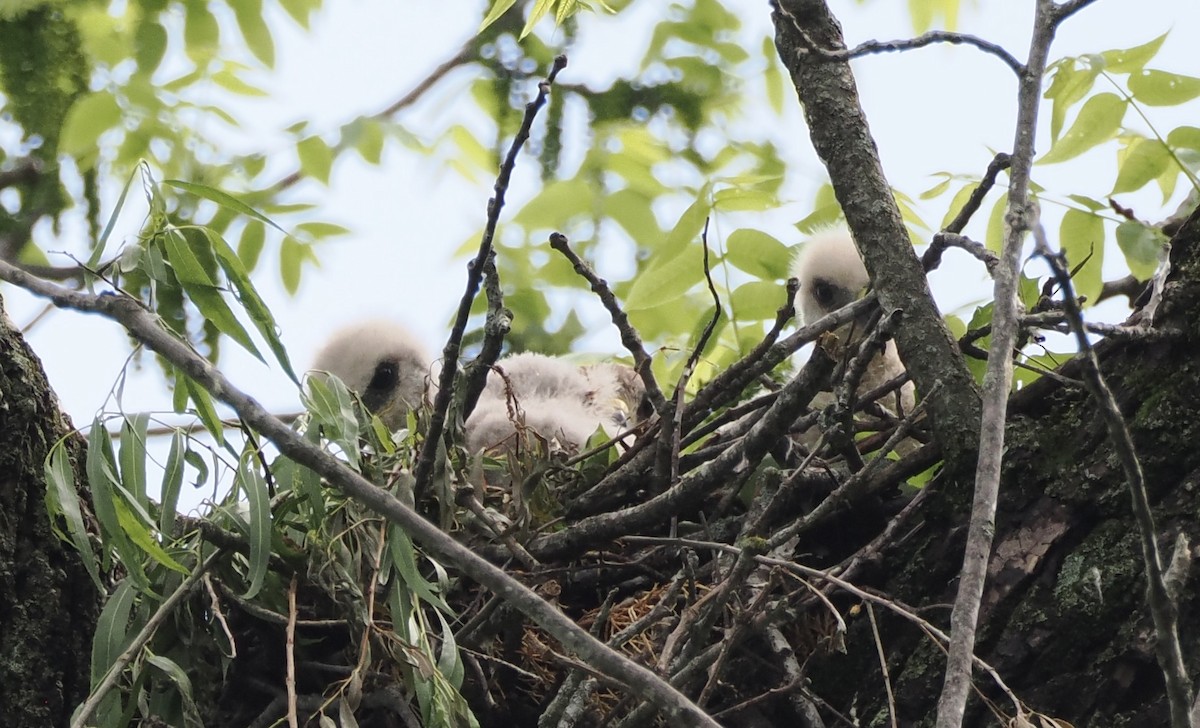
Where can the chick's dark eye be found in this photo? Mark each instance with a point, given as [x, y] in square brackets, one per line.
[387, 373]
[824, 293]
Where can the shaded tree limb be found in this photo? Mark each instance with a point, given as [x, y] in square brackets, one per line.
[838, 128]
[997, 378]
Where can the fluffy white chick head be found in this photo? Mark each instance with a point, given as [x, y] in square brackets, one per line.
[381, 361]
[830, 272]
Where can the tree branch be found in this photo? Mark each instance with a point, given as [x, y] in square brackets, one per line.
[441, 402]
[908, 44]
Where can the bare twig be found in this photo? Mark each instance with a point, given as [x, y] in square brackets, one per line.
[289, 680]
[670, 432]
[441, 403]
[997, 379]
[926, 39]
[629, 335]
[1162, 609]
[887, 679]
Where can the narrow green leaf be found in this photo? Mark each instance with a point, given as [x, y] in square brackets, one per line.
[183, 685]
[260, 315]
[1141, 246]
[253, 26]
[260, 522]
[102, 478]
[1097, 122]
[994, 240]
[201, 33]
[499, 7]
[112, 630]
[60, 476]
[1081, 235]
[1143, 161]
[224, 199]
[172, 483]
[132, 456]
[1159, 88]
[291, 255]
[138, 532]
[744, 199]
[204, 406]
[230, 81]
[540, 8]
[89, 117]
[318, 230]
[332, 407]
[316, 158]
[1132, 59]
[403, 554]
[758, 254]
[250, 245]
[772, 76]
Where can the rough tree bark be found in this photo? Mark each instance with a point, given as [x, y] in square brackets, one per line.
[1064, 617]
[48, 604]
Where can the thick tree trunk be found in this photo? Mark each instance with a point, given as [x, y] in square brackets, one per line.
[1065, 619]
[48, 604]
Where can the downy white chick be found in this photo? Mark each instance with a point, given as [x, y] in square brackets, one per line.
[831, 275]
[383, 363]
[560, 401]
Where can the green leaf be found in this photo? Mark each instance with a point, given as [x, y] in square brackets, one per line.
[201, 34]
[666, 281]
[183, 685]
[687, 228]
[540, 8]
[1132, 59]
[316, 158]
[1081, 235]
[112, 630]
[102, 477]
[369, 142]
[88, 118]
[1159, 88]
[1184, 137]
[132, 457]
[736, 199]
[332, 407]
[403, 554]
[201, 290]
[772, 76]
[317, 230]
[1141, 246]
[250, 245]
[260, 315]
[260, 522]
[994, 240]
[61, 494]
[204, 406]
[224, 199]
[758, 254]
[498, 8]
[253, 25]
[300, 10]
[1097, 122]
[633, 212]
[150, 44]
[138, 532]
[229, 81]
[291, 255]
[756, 300]
[1070, 81]
[172, 483]
[1143, 161]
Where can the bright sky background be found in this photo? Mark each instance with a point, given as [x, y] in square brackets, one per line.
[944, 108]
